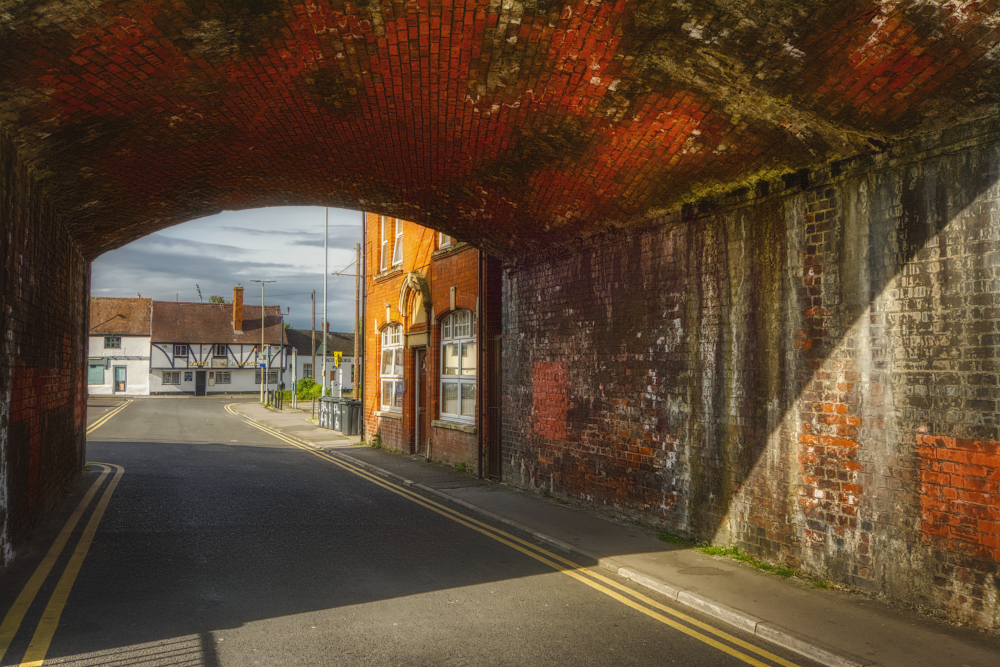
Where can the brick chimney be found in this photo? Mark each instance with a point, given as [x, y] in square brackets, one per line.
[238, 309]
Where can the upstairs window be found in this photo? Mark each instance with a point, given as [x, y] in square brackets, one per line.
[180, 351]
[220, 351]
[444, 241]
[383, 249]
[391, 370]
[397, 252]
[112, 342]
[458, 367]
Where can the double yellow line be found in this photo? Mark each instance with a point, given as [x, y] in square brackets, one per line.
[103, 420]
[46, 628]
[723, 641]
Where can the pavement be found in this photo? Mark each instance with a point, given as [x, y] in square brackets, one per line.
[833, 627]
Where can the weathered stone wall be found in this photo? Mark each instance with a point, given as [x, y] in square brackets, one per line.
[43, 316]
[809, 371]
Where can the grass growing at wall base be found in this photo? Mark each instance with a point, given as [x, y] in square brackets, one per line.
[764, 566]
[743, 557]
[752, 561]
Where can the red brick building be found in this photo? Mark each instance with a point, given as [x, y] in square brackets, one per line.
[431, 340]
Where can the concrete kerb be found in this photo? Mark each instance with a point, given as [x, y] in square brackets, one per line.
[734, 617]
[747, 622]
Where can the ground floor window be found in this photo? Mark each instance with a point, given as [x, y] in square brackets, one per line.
[223, 377]
[272, 377]
[95, 373]
[458, 366]
[188, 376]
[307, 370]
[393, 386]
[171, 377]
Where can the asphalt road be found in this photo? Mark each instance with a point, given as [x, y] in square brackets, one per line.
[219, 544]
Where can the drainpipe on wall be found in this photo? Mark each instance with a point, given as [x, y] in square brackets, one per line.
[480, 366]
[359, 327]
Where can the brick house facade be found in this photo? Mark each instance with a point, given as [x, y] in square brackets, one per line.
[424, 320]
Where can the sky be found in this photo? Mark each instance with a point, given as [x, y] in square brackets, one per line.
[234, 247]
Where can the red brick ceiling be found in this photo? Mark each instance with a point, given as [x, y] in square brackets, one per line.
[512, 124]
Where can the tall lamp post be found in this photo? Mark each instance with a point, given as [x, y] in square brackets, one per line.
[326, 272]
[262, 366]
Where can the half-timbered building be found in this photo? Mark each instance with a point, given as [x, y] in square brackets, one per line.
[214, 348]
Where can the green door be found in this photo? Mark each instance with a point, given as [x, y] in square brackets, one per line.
[95, 373]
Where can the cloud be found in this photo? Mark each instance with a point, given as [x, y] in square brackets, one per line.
[167, 265]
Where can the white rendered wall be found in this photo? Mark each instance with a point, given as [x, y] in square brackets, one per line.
[137, 379]
[341, 377]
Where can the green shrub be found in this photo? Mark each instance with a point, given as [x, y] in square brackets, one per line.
[307, 389]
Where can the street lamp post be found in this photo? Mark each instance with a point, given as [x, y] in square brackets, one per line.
[263, 367]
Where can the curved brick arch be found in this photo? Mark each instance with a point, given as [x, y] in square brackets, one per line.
[510, 125]
[794, 368]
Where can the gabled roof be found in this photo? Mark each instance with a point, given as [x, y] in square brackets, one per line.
[301, 340]
[180, 322]
[119, 317]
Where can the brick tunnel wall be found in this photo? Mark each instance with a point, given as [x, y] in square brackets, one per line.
[808, 371]
[43, 392]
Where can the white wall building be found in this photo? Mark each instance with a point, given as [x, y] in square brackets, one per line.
[118, 356]
[301, 341]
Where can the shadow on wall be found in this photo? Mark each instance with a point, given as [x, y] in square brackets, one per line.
[811, 375]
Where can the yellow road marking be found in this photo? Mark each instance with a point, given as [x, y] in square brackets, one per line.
[12, 621]
[555, 561]
[103, 420]
[46, 629]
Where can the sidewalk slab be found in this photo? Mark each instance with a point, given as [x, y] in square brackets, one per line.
[836, 628]
[296, 423]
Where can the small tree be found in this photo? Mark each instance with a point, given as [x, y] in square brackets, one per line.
[217, 299]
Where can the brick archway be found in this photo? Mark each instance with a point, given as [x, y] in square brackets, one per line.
[708, 212]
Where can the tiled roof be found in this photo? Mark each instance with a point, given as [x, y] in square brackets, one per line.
[301, 340]
[179, 322]
[122, 317]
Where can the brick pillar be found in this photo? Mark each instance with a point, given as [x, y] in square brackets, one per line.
[44, 295]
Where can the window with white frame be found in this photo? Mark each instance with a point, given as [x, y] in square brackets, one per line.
[397, 252]
[180, 351]
[171, 377]
[444, 240]
[272, 377]
[223, 377]
[307, 370]
[391, 371]
[220, 351]
[458, 367]
[112, 342]
[383, 250]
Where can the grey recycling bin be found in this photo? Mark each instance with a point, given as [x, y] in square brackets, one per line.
[342, 411]
[327, 407]
[338, 414]
[352, 417]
